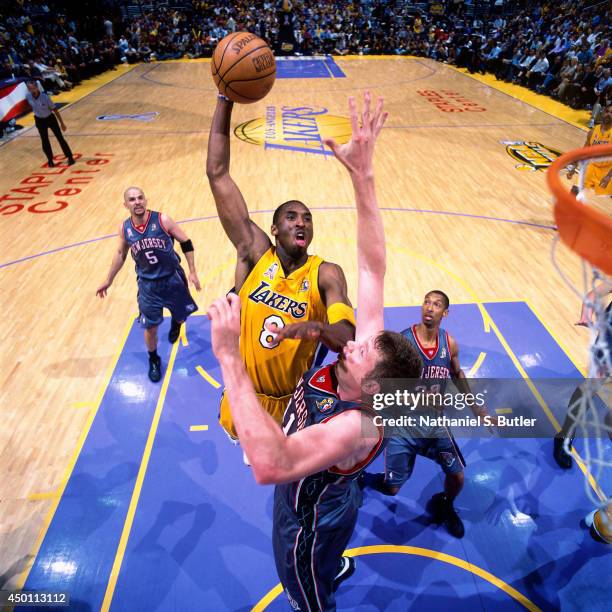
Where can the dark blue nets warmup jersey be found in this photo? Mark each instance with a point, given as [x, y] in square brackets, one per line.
[436, 360]
[152, 248]
[319, 500]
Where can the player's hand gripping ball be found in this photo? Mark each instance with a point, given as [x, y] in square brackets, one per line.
[243, 67]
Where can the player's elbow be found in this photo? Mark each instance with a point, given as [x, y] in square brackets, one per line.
[216, 170]
[265, 474]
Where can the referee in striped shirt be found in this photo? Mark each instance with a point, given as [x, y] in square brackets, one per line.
[47, 117]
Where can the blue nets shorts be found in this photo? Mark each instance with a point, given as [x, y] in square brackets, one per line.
[401, 453]
[170, 292]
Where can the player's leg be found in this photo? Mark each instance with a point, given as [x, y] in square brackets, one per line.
[151, 316]
[310, 564]
[400, 455]
[178, 300]
[563, 441]
[445, 452]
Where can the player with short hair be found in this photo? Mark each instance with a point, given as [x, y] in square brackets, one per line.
[149, 236]
[328, 435]
[440, 354]
[278, 285]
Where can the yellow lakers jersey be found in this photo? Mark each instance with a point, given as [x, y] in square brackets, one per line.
[599, 137]
[267, 296]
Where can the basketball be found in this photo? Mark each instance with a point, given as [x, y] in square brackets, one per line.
[243, 67]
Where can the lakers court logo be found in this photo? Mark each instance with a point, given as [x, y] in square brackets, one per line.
[531, 155]
[300, 129]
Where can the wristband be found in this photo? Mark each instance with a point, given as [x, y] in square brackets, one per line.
[340, 312]
[186, 246]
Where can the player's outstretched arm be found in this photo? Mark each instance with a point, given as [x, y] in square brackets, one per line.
[250, 241]
[357, 156]
[275, 458]
[177, 232]
[116, 265]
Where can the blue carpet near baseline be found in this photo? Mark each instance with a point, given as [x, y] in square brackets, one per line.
[200, 537]
[308, 68]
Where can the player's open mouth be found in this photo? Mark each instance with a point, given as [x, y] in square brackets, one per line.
[300, 239]
[427, 318]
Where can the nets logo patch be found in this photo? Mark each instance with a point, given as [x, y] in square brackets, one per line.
[300, 129]
[325, 405]
[532, 156]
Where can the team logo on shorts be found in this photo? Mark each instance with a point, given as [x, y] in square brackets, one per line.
[531, 155]
[446, 459]
[300, 129]
[294, 604]
[271, 271]
[325, 405]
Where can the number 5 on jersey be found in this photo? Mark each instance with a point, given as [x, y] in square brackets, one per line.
[152, 259]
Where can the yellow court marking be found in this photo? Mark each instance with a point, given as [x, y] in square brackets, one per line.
[129, 519]
[207, 377]
[503, 410]
[183, 335]
[73, 459]
[544, 406]
[198, 428]
[577, 118]
[80, 405]
[476, 366]
[554, 337]
[419, 552]
[48, 495]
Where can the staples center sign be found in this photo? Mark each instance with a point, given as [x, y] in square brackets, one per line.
[450, 101]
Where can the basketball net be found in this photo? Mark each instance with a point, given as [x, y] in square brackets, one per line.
[584, 221]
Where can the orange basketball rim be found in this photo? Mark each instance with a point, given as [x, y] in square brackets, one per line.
[581, 227]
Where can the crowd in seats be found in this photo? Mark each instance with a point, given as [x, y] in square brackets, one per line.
[558, 48]
[38, 42]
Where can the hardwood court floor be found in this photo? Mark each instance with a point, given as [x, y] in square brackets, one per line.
[459, 216]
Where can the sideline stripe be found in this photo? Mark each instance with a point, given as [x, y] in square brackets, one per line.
[129, 519]
[198, 428]
[420, 552]
[73, 459]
